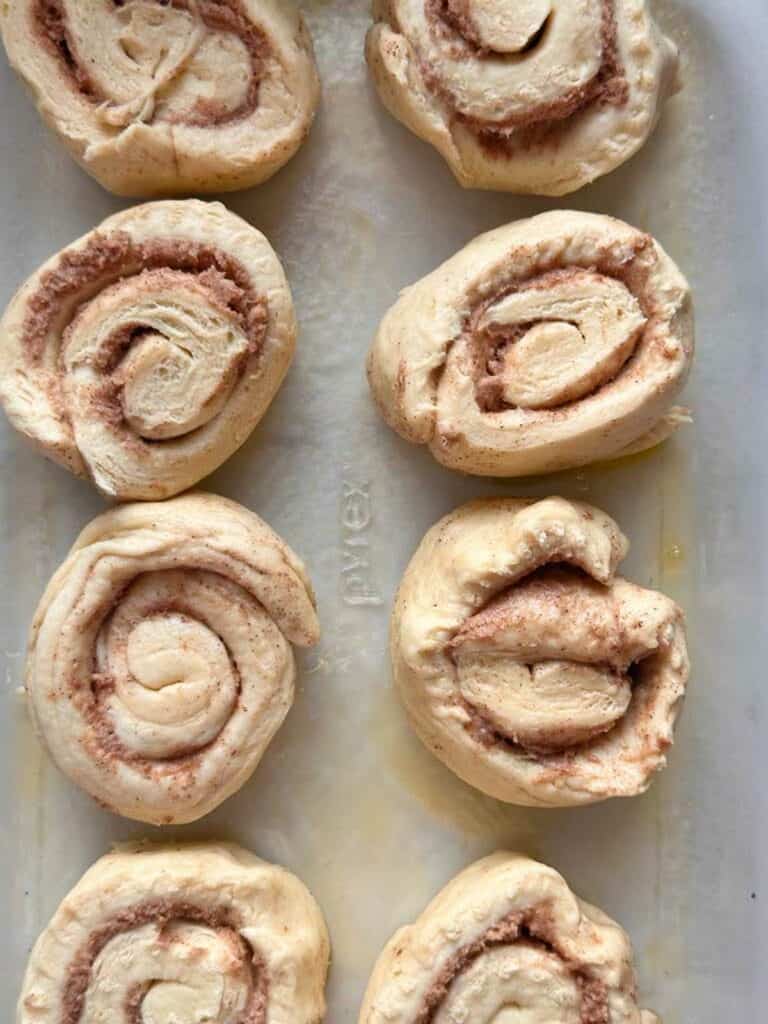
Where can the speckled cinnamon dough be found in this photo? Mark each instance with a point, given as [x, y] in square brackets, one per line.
[506, 933]
[550, 343]
[526, 665]
[144, 354]
[203, 931]
[155, 98]
[540, 96]
[160, 663]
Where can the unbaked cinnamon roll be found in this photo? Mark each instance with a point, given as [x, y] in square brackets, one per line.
[538, 96]
[550, 343]
[143, 355]
[160, 663]
[167, 97]
[199, 932]
[527, 665]
[506, 940]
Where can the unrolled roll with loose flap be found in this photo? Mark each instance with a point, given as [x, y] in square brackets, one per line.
[527, 665]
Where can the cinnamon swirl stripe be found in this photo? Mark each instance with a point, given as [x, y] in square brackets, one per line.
[527, 665]
[144, 354]
[506, 939]
[200, 932]
[165, 97]
[550, 343]
[160, 663]
[540, 96]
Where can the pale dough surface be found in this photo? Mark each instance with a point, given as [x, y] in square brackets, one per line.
[527, 665]
[156, 99]
[160, 660]
[568, 962]
[529, 74]
[549, 343]
[180, 933]
[144, 354]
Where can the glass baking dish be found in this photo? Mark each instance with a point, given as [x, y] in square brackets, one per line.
[346, 796]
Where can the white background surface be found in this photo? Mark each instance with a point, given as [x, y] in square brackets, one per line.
[346, 797]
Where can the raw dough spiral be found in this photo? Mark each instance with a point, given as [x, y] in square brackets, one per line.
[547, 344]
[179, 935]
[526, 665]
[167, 97]
[506, 940]
[538, 96]
[160, 662]
[144, 354]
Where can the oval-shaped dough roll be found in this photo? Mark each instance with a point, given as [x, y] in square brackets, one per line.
[541, 96]
[198, 932]
[526, 665]
[550, 343]
[160, 663]
[144, 354]
[155, 98]
[506, 940]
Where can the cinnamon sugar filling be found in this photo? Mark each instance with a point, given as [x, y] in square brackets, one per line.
[554, 753]
[162, 912]
[105, 745]
[49, 18]
[533, 927]
[49, 21]
[487, 735]
[540, 125]
[453, 18]
[487, 346]
[107, 259]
